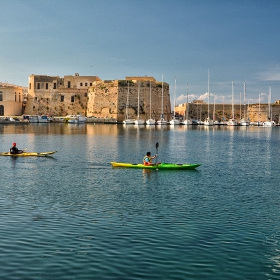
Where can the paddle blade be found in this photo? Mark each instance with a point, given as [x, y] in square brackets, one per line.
[157, 144]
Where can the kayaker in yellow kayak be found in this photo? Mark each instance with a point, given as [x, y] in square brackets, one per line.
[147, 160]
[15, 150]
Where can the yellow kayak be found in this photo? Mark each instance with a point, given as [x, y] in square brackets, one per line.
[28, 154]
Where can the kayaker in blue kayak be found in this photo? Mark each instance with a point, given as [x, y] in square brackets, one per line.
[147, 160]
[15, 150]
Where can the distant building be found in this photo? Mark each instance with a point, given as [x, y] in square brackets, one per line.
[58, 96]
[12, 100]
[93, 97]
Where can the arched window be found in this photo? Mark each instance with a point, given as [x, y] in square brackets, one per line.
[1, 95]
[15, 96]
[1, 110]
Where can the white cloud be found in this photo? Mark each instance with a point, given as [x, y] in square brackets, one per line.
[273, 74]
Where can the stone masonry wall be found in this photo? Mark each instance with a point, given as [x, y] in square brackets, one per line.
[254, 112]
[109, 99]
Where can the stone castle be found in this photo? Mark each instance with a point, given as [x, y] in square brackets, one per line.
[93, 97]
[134, 97]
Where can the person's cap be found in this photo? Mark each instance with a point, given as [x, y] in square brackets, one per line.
[14, 144]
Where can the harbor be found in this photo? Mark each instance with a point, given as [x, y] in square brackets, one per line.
[62, 213]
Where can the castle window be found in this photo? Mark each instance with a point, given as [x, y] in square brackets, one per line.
[86, 94]
[38, 85]
[35, 98]
[69, 84]
[1, 96]
[90, 84]
[62, 98]
[29, 85]
[86, 84]
[1, 110]
[72, 98]
[81, 84]
[19, 97]
[47, 85]
[15, 96]
[54, 85]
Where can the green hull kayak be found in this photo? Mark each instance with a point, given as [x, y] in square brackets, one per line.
[29, 154]
[175, 166]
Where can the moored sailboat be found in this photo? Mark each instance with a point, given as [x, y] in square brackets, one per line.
[162, 121]
[243, 121]
[187, 121]
[232, 121]
[208, 121]
[174, 121]
[269, 122]
[127, 119]
[150, 121]
[139, 121]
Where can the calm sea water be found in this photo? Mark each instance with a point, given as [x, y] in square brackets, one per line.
[73, 216]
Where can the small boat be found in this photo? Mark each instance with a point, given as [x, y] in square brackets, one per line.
[169, 166]
[28, 154]
[243, 122]
[150, 122]
[232, 122]
[129, 121]
[75, 119]
[162, 121]
[36, 118]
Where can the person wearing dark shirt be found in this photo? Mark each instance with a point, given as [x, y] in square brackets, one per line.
[15, 150]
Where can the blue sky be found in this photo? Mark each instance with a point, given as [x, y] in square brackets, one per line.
[236, 40]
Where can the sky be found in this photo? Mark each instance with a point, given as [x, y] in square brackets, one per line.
[183, 40]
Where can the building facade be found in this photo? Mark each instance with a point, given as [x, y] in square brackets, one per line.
[53, 95]
[12, 100]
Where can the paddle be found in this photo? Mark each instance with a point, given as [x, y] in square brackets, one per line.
[157, 144]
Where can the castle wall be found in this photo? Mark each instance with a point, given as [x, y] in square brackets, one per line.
[254, 112]
[109, 99]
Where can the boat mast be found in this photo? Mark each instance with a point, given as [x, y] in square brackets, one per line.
[259, 107]
[138, 108]
[127, 100]
[174, 97]
[240, 106]
[223, 108]
[214, 107]
[269, 102]
[187, 115]
[232, 101]
[208, 91]
[150, 100]
[162, 97]
[245, 111]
